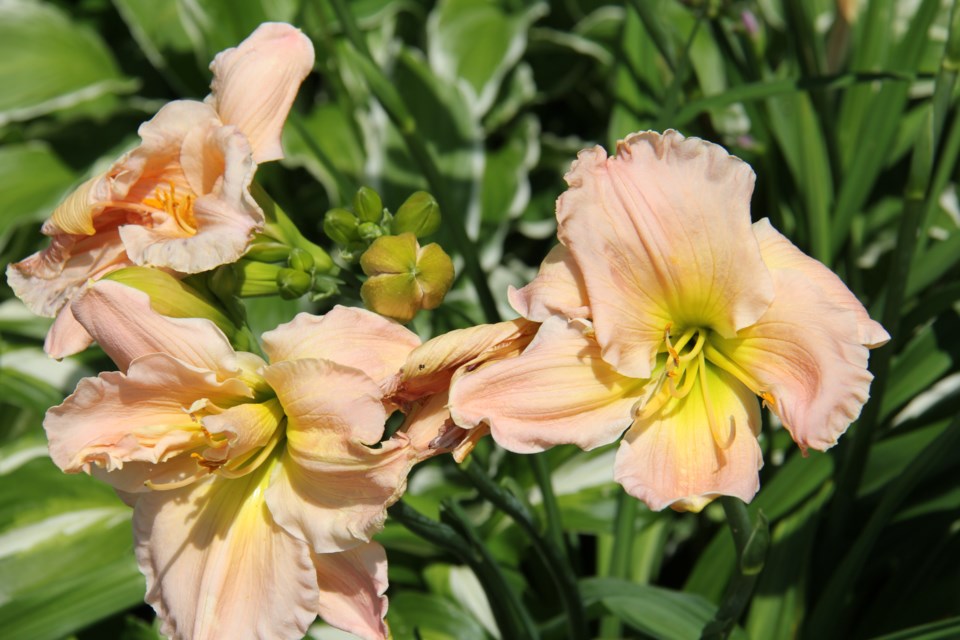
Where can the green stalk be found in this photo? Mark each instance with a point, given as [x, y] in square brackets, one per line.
[401, 117]
[521, 625]
[461, 540]
[553, 557]
[624, 531]
[541, 471]
[752, 539]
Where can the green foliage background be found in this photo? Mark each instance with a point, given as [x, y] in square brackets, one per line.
[851, 125]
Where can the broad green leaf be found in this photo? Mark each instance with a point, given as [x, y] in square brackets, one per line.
[215, 25]
[432, 617]
[32, 181]
[637, 85]
[66, 551]
[325, 142]
[16, 319]
[48, 63]
[460, 585]
[801, 141]
[474, 43]
[656, 611]
[160, 34]
[889, 457]
[923, 361]
[506, 184]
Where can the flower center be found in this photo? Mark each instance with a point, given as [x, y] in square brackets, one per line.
[179, 208]
[687, 354]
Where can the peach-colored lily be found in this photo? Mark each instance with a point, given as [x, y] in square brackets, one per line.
[666, 313]
[421, 386]
[181, 200]
[256, 487]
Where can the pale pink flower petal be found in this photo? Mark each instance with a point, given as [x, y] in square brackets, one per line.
[126, 327]
[48, 279]
[558, 289]
[353, 337]
[429, 367]
[217, 566]
[661, 233]
[222, 218]
[254, 84]
[780, 253]
[804, 356]
[673, 458]
[245, 428]
[352, 587]
[67, 336]
[559, 391]
[332, 490]
[145, 415]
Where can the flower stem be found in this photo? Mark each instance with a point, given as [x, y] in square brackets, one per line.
[553, 557]
[457, 536]
[752, 539]
[624, 532]
[541, 472]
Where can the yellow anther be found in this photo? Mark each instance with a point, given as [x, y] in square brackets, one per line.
[674, 356]
[209, 465]
[768, 399]
[180, 209]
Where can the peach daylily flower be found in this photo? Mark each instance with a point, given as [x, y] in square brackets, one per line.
[666, 314]
[255, 487]
[181, 200]
[422, 384]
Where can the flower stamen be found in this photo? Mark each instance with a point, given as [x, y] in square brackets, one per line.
[180, 209]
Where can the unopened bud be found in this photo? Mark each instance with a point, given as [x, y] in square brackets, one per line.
[341, 226]
[419, 215]
[368, 205]
[171, 297]
[292, 283]
[256, 278]
[403, 277]
[300, 260]
[266, 249]
[369, 231]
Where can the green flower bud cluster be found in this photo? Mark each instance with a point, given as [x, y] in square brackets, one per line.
[280, 261]
[355, 230]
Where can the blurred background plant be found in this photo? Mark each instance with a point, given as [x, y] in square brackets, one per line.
[845, 109]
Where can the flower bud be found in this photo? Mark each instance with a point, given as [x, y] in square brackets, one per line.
[171, 297]
[369, 231]
[340, 226]
[256, 278]
[266, 249]
[403, 277]
[300, 260]
[292, 283]
[419, 215]
[368, 205]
